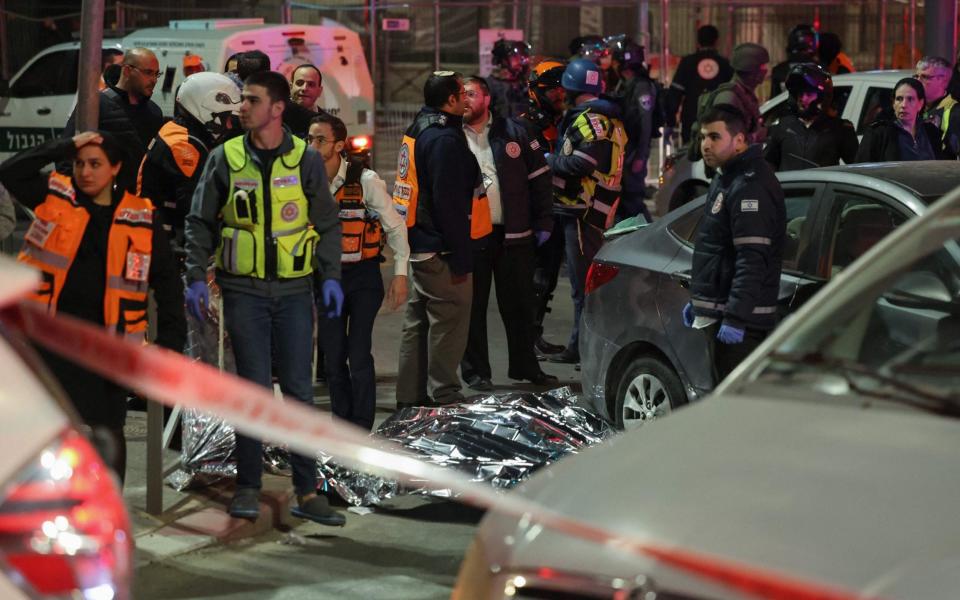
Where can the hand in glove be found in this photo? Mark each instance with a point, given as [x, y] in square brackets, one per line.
[542, 237]
[332, 298]
[729, 334]
[688, 315]
[197, 297]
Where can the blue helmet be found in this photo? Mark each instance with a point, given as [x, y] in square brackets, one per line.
[583, 76]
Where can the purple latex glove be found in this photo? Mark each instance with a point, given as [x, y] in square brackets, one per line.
[542, 237]
[729, 334]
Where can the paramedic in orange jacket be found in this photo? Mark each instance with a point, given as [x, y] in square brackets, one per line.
[99, 250]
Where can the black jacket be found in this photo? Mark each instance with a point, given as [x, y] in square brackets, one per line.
[447, 174]
[697, 73]
[881, 141]
[739, 245]
[508, 97]
[642, 105]
[526, 192]
[134, 126]
[792, 146]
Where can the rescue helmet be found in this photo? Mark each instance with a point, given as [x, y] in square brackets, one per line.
[625, 51]
[809, 77]
[546, 75]
[592, 48]
[583, 76]
[503, 49]
[748, 57]
[212, 99]
[804, 40]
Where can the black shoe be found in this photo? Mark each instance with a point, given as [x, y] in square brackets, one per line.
[317, 509]
[568, 357]
[539, 378]
[542, 346]
[481, 384]
[245, 504]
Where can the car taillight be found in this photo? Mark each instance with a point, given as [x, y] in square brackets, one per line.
[359, 142]
[63, 524]
[599, 274]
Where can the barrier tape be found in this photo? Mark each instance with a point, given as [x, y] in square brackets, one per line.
[171, 379]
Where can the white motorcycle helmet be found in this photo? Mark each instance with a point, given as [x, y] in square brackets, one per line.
[212, 99]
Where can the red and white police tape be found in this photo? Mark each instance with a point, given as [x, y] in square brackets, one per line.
[171, 379]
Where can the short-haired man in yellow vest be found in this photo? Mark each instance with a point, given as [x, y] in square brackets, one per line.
[262, 208]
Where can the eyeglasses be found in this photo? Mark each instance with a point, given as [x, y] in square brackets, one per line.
[150, 73]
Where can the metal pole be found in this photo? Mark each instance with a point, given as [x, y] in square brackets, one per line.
[286, 12]
[913, 32]
[372, 28]
[516, 15]
[436, 34]
[730, 31]
[881, 60]
[88, 79]
[664, 39]
[643, 18]
[4, 52]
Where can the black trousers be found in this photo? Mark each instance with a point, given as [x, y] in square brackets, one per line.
[510, 265]
[546, 272]
[727, 357]
[348, 341]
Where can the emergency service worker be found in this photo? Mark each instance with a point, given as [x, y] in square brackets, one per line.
[367, 216]
[802, 43]
[517, 182]
[738, 250]
[99, 249]
[439, 191]
[696, 73]
[205, 112]
[263, 209]
[832, 57]
[749, 63]
[934, 73]
[587, 170]
[508, 80]
[640, 101]
[811, 135]
[544, 111]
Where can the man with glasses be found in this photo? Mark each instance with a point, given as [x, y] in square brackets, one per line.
[934, 73]
[127, 111]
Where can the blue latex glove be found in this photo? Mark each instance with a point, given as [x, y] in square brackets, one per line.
[542, 237]
[688, 315]
[197, 297]
[332, 298]
[730, 335]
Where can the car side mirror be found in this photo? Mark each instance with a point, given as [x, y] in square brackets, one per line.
[919, 290]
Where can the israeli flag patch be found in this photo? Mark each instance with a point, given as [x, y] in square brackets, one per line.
[749, 206]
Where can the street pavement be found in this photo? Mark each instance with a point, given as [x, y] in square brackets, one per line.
[409, 548]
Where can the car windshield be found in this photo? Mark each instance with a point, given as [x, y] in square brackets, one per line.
[897, 339]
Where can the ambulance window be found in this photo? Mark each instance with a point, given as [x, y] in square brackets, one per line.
[53, 74]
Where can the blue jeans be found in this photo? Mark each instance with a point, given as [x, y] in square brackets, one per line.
[349, 339]
[255, 323]
[581, 243]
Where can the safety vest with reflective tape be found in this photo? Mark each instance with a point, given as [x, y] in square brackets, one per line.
[599, 192]
[248, 227]
[362, 234]
[54, 237]
[406, 189]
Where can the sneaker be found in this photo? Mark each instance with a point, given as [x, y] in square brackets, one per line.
[316, 508]
[245, 504]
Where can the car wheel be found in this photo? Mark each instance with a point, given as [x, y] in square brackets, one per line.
[687, 192]
[648, 390]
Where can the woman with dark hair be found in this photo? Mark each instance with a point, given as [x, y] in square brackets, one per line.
[98, 249]
[899, 134]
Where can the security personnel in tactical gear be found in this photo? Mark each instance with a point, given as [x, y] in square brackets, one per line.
[738, 250]
[587, 170]
[543, 114]
[440, 189]
[263, 209]
[750, 65]
[811, 135]
[508, 80]
[368, 218]
[640, 101]
[802, 44]
[98, 250]
[697, 73]
[832, 57]
[205, 110]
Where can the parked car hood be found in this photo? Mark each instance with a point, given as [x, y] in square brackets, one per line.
[822, 489]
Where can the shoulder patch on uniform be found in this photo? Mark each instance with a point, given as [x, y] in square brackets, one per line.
[717, 204]
[597, 125]
[749, 206]
[646, 102]
[534, 145]
[186, 156]
[567, 149]
[513, 149]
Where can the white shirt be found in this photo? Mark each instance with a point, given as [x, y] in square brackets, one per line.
[376, 198]
[480, 146]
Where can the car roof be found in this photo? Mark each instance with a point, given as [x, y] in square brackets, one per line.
[928, 180]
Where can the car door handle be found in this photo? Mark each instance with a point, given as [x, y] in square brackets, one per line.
[43, 111]
[682, 278]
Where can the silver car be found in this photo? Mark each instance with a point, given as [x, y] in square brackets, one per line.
[826, 464]
[639, 361]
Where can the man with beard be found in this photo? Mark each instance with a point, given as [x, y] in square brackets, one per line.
[508, 81]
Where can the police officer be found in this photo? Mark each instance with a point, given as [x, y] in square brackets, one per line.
[205, 110]
[811, 135]
[263, 208]
[587, 170]
[438, 187]
[517, 182]
[750, 66]
[508, 80]
[544, 111]
[640, 100]
[802, 44]
[368, 218]
[739, 245]
[697, 73]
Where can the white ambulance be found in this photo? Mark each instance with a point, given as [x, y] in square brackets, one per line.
[41, 96]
